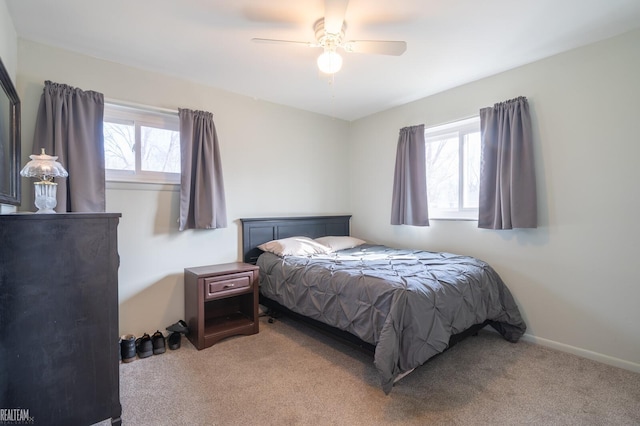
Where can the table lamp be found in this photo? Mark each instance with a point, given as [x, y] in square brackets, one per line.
[46, 168]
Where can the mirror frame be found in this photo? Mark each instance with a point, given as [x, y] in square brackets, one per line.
[11, 166]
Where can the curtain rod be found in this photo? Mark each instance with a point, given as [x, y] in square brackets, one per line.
[141, 106]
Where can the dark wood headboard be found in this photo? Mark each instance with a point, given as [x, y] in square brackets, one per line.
[258, 231]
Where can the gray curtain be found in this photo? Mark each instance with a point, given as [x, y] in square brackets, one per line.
[409, 199]
[69, 125]
[202, 201]
[507, 177]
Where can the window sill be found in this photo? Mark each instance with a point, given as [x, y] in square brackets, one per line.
[142, 186]
[455, 219]
[442, 214]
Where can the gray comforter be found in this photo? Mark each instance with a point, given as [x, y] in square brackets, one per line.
[405, 302]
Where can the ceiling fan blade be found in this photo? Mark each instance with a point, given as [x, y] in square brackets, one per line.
[378, 47]
[274, 41]
[334, 11]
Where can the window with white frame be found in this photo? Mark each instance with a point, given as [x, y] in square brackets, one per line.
[453, 169]
[141, 145]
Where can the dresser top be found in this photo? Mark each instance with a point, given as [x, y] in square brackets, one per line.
[55, 216]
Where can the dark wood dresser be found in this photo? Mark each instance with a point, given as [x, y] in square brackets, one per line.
[59, 317]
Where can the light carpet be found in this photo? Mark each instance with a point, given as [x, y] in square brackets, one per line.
[290, 374]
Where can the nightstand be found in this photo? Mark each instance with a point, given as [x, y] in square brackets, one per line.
[220, 301]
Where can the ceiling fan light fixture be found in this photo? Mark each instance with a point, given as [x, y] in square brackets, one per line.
[330, 36]
[329, 62]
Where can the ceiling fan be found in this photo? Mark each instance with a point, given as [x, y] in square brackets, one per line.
[330, 35]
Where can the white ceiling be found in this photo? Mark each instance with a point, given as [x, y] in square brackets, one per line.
[449, 42]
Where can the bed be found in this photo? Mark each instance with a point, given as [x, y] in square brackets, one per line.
[405, 306]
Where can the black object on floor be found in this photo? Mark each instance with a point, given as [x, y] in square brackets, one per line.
[128, 347]
[179, 327]
[174, 340]
[144, 347]
[157, 341]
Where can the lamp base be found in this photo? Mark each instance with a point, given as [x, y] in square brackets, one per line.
[48, 211]
[45, 196]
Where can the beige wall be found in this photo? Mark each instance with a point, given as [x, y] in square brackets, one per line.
[8, 42]
[276, 161]
[575, 277]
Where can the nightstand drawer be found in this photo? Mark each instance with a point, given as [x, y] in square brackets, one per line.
[215, 287]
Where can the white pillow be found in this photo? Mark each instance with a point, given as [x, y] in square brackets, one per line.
[340, 243]
[294, 246]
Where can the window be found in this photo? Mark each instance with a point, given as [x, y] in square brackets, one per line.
[453, 169]
[141, 146]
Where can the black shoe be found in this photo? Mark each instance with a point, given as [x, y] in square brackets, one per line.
[144, 347]
[157, 340]
[128, 348]
[174, 340]
[179, 327]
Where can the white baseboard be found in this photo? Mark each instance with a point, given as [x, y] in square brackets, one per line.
[584, 353]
